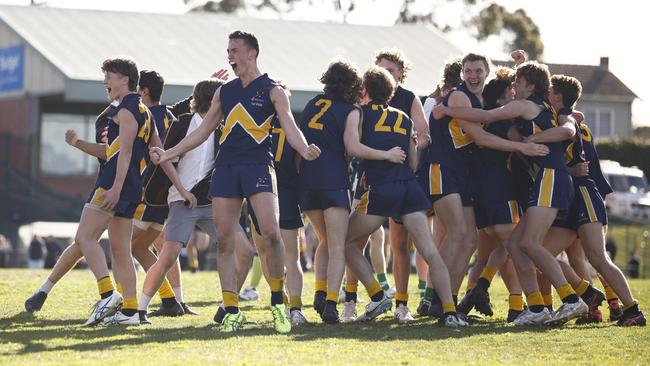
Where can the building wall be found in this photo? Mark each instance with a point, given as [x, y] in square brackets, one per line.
[41, 77]
[621, 112]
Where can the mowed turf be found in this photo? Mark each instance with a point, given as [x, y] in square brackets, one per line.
[54, 335]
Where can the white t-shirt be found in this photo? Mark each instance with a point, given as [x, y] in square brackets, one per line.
[429, 104]
[194, 164]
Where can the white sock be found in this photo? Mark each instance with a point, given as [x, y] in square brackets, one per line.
[46, 286]
[178, 293]
[144, 302]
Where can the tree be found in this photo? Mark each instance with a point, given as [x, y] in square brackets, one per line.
[493, 19]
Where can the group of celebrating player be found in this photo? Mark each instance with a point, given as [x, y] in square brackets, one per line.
[503, 167]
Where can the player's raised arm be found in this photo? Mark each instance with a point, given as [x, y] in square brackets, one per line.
[90, 148]
[294, 136]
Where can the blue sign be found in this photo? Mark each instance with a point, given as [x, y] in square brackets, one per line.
[12, 66]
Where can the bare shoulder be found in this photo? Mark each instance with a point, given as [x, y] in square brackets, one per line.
[458, 99]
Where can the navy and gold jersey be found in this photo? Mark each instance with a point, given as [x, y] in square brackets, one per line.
[449, 143]
[575, 155]
[402, 100]
[248, 116]
[588, 145]
[545, 120]
[323, 124]
[163, 118]
[491, 171]
[283, 154]
[383, 128]
[132, 187]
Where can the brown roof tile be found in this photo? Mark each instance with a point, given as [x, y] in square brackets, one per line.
[595, 79]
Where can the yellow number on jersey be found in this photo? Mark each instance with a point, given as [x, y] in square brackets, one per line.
[280, 148]
[458, 136]
[380, 127]
[325, 104]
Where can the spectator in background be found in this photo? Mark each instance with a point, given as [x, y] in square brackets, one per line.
[53, 251]
[37, 252]
[5, 250]
[610, 247]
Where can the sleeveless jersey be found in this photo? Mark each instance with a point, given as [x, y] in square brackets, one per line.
[450, 145]
[545, 120]
[589, 147]
[248, 115]
[132, 187]
[163, 118]
[323, 124]
[575, 154]
[383, 128]
[402, 100]
[491, 171]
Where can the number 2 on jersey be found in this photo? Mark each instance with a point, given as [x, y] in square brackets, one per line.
[325, 104]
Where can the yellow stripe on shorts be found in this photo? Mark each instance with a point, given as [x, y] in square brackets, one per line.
[363, 205]
[590, 206]
[435, 179]
[514, 211]
[546, 188]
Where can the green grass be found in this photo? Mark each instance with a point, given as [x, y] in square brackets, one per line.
[54, 335]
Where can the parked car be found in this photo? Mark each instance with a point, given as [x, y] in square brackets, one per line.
[631, 197]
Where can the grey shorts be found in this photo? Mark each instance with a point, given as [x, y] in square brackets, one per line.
[182, 220]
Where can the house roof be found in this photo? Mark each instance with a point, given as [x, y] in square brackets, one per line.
[595, 79]
[188, 48]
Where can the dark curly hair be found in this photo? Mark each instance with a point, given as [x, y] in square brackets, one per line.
[538, 75]
[494, 89]
[379, 84]
[451, 74]
[342, 82]
[123, 66]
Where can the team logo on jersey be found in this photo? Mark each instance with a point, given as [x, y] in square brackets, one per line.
[258, 99]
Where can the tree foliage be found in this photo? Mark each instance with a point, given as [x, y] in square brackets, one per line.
[491, 20]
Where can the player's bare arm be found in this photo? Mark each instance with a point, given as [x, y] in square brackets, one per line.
[171, 172]
[90, 148]
[514, 109]
[566, 130]
[354, 147]
[211, 121]
[486, 139]
[294, 136]
[420, 124]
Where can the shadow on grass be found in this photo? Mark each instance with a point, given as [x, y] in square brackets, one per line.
[35, 339]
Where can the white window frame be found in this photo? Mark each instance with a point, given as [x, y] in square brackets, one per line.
[597, 131]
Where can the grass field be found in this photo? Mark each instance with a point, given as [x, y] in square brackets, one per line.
[54, 335]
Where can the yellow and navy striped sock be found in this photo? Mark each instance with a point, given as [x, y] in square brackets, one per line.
[105, 286]
[130, 306]
[375, 292]
[295, 303]
[470, 286]
[276, 284]
[448, 307]
[351, 292]
[516, 302]
[567, 294]
[486, 277]
[535, 302]
[230, 302]
[401, 298]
